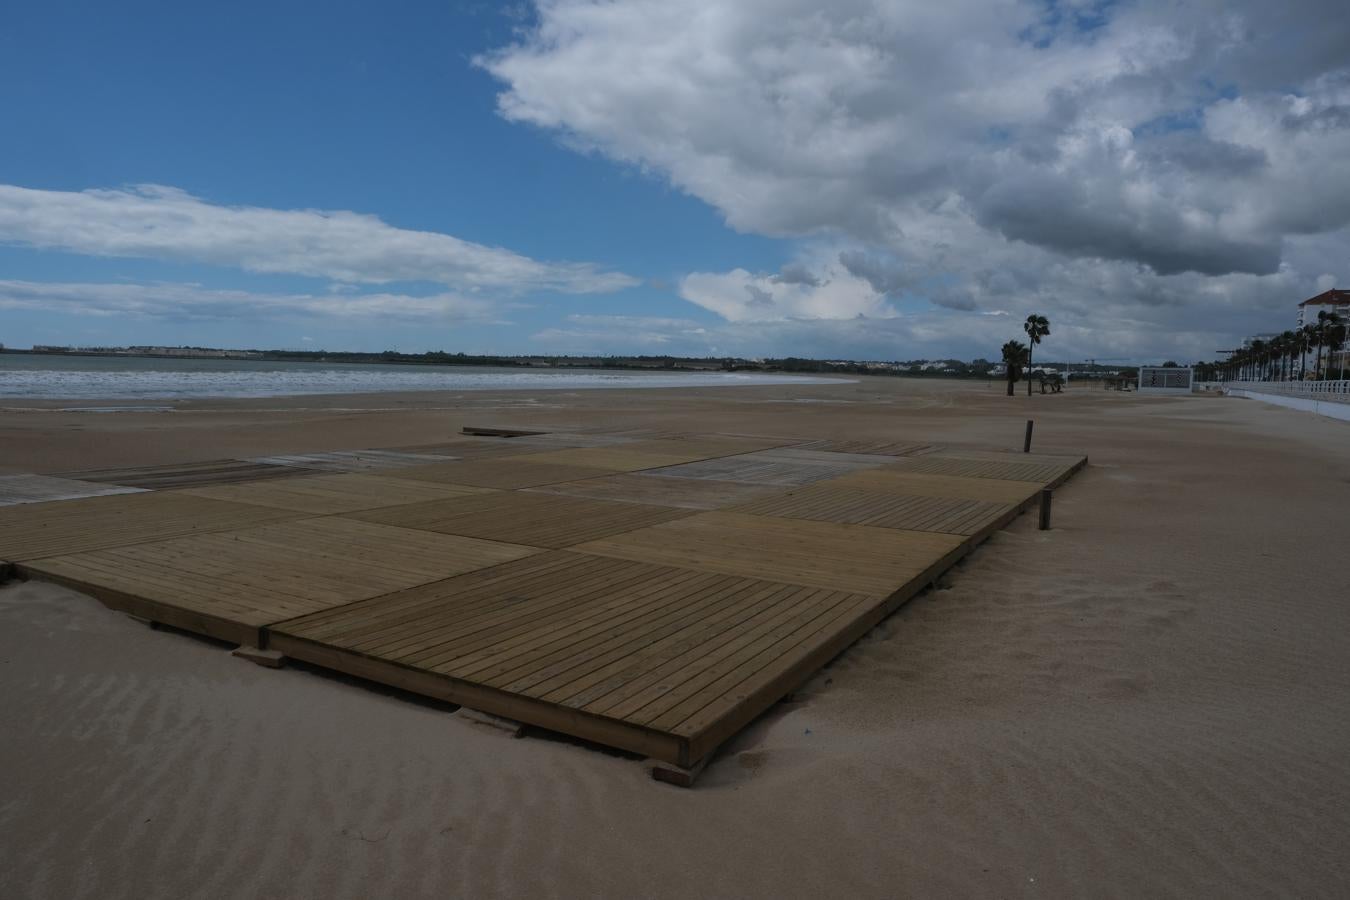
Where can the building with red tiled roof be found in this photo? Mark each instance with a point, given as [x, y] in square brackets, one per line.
[1337, 301]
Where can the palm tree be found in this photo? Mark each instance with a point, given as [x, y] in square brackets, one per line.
[1288, 344]
[1332, 330]
[1014, 357]
[1322, 335]
[1036, 327]
[1255, 351]
[1307, 336]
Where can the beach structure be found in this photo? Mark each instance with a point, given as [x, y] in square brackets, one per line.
[1165, 380]
[649, 592]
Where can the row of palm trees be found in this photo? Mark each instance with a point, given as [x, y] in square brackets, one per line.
[1285, 356]
[1017, 355]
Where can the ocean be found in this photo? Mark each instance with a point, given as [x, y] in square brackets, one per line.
[60, 377]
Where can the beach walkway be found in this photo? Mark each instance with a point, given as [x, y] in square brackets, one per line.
[653, 592]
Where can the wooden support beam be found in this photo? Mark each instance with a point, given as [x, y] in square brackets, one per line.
[499, 432]
[680, 776]
[270, 659]
[478, 717]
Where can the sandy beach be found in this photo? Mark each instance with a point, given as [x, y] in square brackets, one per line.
[1147, 700]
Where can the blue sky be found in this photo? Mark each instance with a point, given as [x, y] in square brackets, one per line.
[375, 108]
[684, 176]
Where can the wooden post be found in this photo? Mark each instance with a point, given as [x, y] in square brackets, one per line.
[1026, 445]
[1045, 510]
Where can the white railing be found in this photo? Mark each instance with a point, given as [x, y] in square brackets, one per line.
[1338, 391]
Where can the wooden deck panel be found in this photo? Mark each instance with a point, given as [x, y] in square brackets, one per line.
[636, 455]
[895, 479]
[17, 489]
[508, 473]
[534, 519]
[935, 464]
[683, 493]
[242, 580]
[195, 474]
[72, 526]
[854, 558]
[844, 461]
[328, 494]
[857, 506]
[871, 448]
[760, 468]
[468, 447]
[581, 634]
[353, 460]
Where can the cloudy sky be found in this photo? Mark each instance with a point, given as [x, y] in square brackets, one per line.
[767, 177]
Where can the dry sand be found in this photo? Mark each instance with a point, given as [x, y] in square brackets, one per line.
[1153, 699]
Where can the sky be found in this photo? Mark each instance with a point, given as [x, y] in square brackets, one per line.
[857, 179]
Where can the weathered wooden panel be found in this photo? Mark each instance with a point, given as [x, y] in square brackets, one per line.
[194, 474]
[353, 460]
[853, 558]
[857, 506]
[535, 519]
[513, 472]
[16, 489]
[684, 493]
[247, 578]
[327, 494]
[49, 529]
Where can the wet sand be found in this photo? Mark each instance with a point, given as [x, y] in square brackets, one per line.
[1147, 700]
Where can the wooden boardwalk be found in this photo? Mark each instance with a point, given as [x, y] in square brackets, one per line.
[650, 592]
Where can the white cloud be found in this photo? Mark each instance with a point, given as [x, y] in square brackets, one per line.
[828, 292]
[163, 223]
[1133, 170]
[193, 302]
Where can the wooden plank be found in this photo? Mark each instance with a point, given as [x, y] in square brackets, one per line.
[464, 448]
[882, 447]
[894, 479]
[683, 493]
[727, 714]
[608, 611]
[534, 519]
[622, 458]
[256, 576]
[829, 502]
[936, 464]
[508, 473]
[193, 474]
[752, 468]
[353, 460]
[51, 529]
[329, 494]
[488, 431]
[609, 732]
[18, 489]
[635, 455]
[854, 558]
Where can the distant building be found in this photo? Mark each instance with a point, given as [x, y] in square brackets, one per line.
[1337, 301]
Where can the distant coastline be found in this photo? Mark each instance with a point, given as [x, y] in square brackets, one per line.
[941, 368]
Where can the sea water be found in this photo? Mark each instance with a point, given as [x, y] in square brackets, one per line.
[57, 376]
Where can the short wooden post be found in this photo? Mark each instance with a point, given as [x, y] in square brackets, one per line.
[1045, 510]
[1026, 445]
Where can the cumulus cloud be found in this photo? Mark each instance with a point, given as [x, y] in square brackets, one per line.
[830, 292]
[1007, 155]
[194, 302]
[164, 223]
